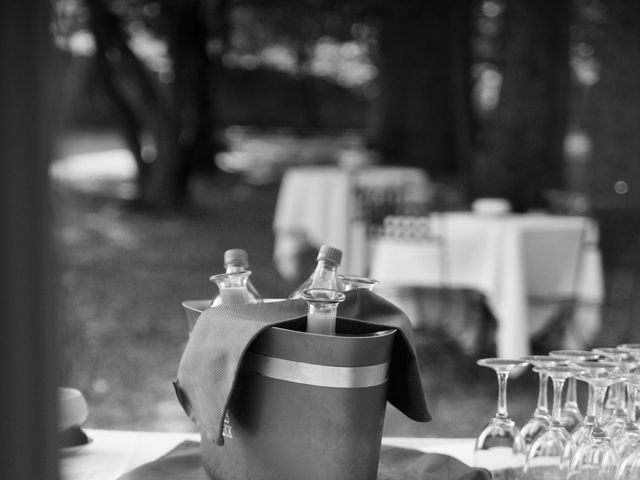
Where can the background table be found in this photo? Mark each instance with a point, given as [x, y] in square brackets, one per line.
[318, 205]
[509, 259]
[112, 453]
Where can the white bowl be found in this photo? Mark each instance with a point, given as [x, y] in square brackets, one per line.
[72, 408]
[491, 206]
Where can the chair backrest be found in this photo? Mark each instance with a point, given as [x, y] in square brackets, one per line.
[374, 204]
[425, 231]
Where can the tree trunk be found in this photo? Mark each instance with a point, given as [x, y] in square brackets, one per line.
[184, 129]
[112, 48]
[423, 108]
[612, 114]
[178, 115]
[464, 122]
[524, 149]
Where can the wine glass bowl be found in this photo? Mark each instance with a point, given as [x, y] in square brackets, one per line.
[630, 466]
[353, 282]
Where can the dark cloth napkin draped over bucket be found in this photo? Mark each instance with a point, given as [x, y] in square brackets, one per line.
[184, 463]
[211, 360]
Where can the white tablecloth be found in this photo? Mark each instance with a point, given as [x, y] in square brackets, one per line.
[113, 453]
[315, 207]
[508, 258]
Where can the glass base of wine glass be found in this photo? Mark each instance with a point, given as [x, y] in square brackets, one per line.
[534, 427]
[500, 448]
[627, 442]
[544, 457]
[615, 425]
[571, 418]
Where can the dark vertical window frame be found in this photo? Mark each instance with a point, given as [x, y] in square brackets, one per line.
[29, 83]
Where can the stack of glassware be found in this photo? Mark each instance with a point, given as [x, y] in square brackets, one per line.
[602, 444]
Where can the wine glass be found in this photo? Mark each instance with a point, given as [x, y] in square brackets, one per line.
[583, 432]
[630, 460]
[632, 349]
[353, 282]
[596, 457]
[617, 417]
[540, 419]
[500, 446]
[627, 441]
[543, 460]
[571, 414]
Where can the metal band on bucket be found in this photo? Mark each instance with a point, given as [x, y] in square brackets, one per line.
[314, 374]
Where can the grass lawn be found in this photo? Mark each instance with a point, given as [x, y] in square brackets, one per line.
[124, 273]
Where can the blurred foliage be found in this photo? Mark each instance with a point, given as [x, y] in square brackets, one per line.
[341, 45]
[317, 64]
[335, 43]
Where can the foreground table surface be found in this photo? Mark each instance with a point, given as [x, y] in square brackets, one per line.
[112, 453]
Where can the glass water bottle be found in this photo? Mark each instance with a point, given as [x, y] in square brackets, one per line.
[236, 260]
[325, 275]
[323, 308]
[232, 289]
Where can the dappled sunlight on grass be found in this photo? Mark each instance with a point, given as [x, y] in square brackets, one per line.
[92, 171]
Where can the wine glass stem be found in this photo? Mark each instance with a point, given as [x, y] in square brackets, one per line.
[601, 393]
[572, 392]
[542, 393]
[502, 394]
[621, 395]
[613, 398]
[591, 402]
[558, 385]
[632, 392]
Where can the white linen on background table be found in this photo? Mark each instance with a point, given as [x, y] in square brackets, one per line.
[507, 258]
[113, 453]
[316, 206]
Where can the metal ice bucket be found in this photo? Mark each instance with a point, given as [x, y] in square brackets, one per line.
[305, 406]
